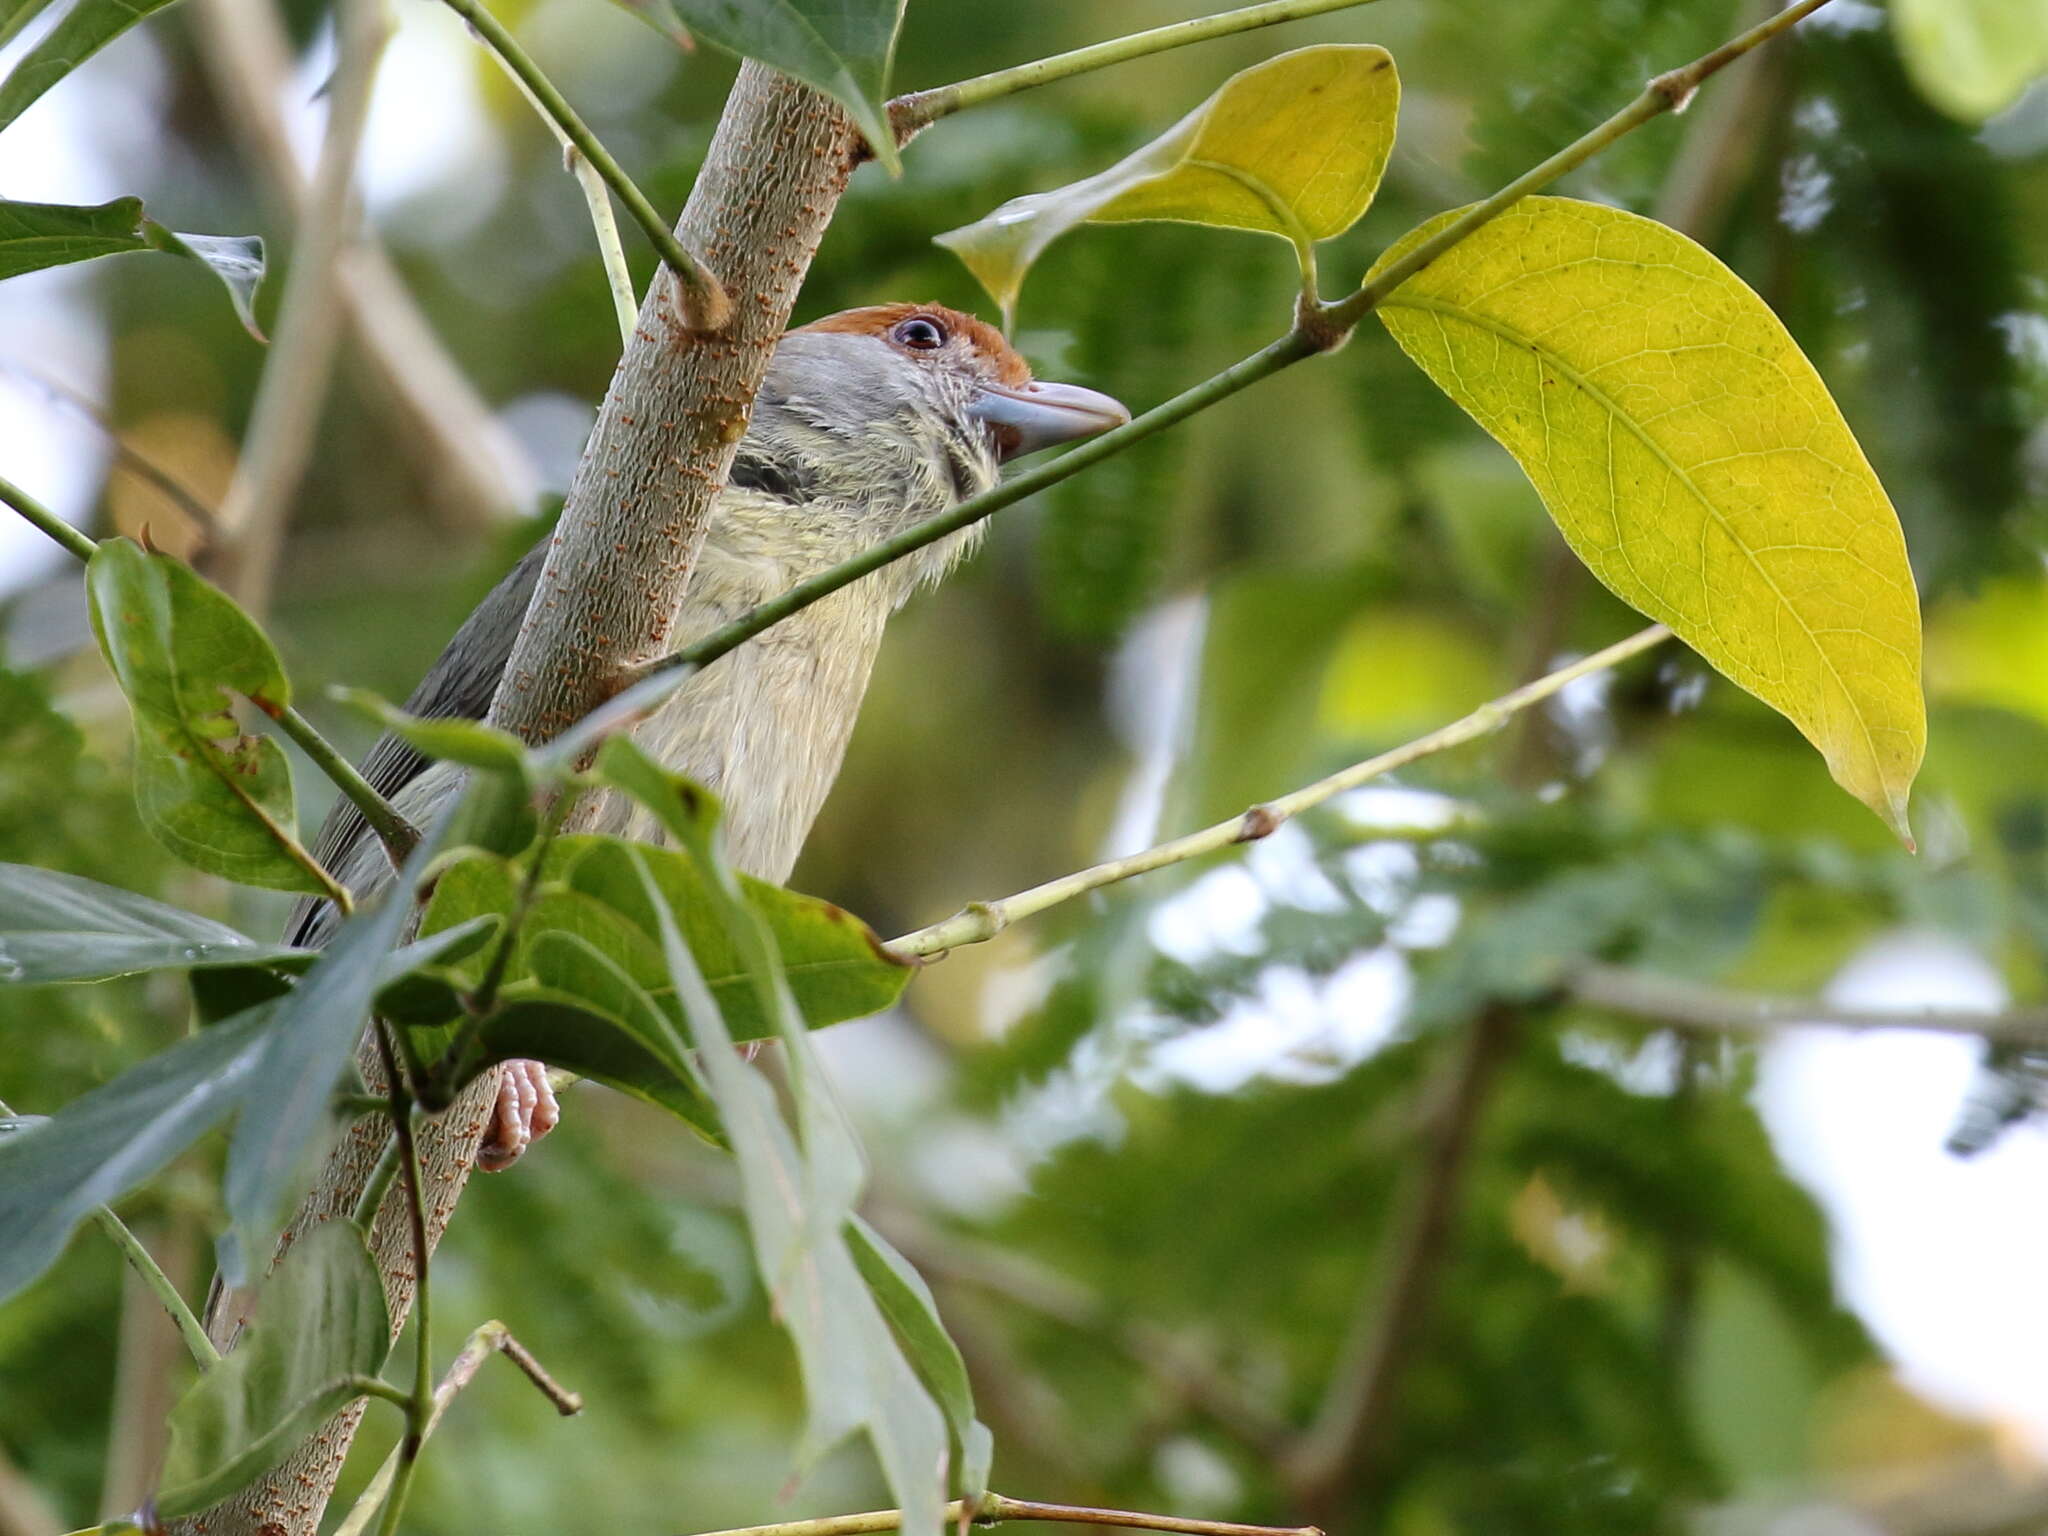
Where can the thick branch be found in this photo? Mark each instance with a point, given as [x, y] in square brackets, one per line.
[983, 920]
[994, 1508]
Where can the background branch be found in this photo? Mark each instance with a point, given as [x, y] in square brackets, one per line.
[477, 472]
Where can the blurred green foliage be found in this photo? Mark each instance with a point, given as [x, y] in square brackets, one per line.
[1154, 1213]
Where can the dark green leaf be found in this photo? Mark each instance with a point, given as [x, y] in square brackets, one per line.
[565, 1032]
[660, 15]
[179, 647]
[56, 927]
[97, 1148]
[91, 25]
[321, 1326]
[37, 235]
[843, 47]
[285, 1124]
[498, 810]
[16, 14]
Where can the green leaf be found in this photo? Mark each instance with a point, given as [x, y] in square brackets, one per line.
[37, 235]
[497, 812]
[16, 14]
[798, 1189]
[660, 15]
[1293, 147]
[287, 1118]
[57, 1172]
[321, 1327]
[837, 966]
[1693, 459]
[179, 647]
[91, 25]
[843, 47]
[908, 1304]
[563, 1031]
[1972, 58]
[56, 927]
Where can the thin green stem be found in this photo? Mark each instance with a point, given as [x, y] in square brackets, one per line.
[378, 1387]
[1264, 363]
[1669, 92]
[398, 835]
[921, 108]
[1318, 328]
[597, 197]
[994, 1508]
[197, 1344]
[983, 920]
[47, 521]
[706, 306]
[379, 1185]
[420, 1404]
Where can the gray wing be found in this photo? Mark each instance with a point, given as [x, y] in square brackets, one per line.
[460, 685]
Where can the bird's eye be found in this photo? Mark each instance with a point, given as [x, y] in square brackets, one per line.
[921, 333]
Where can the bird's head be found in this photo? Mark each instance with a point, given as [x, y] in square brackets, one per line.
[914, 404]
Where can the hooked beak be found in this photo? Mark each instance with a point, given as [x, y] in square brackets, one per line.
[1034, 416]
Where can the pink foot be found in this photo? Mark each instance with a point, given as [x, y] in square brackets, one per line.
[525, 1112]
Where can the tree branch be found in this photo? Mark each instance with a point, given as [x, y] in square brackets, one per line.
[45, 521]
[1693, 1005]
[920, 109]
[1332, 1455]
[705, 305]
[994, 1508]
[287, 411]
[983, 920]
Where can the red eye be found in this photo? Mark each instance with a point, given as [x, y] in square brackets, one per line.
[920, 333]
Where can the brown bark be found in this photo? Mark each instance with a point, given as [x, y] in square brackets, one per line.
[629, 537]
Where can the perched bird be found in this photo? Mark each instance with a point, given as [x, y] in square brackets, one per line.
[869, 421]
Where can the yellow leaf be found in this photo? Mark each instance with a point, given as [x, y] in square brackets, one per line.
[1972, 58]
[1293, 147]
[1693, 459]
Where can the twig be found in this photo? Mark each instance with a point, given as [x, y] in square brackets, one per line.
[295, 380]
[1668, 92]
[1692, 1005]
[130, 458]
[1318, 328]
[706, 307]
[139, 1258]
[419, 1406]
[152, 1276]
[983, 920]
[48, 522]
[398, 835]
[597, 197]
[491, 1337]
[910, 113]
[1333, 1452]
[994, 1508]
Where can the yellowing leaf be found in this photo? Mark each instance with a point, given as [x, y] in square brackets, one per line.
[1972, 58]
[1293, 147]
[1693, 459]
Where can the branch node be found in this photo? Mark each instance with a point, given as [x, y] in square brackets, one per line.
[1323, 327]
[1258, 823]
[1675, 88]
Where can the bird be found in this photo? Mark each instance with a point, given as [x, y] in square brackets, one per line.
[867, 422]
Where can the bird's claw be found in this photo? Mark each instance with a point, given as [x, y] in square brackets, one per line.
[526, 1111]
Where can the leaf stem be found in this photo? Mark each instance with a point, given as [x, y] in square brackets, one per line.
[625, 303]
[197, 1344]
[982, 920]
[706, 307]
[48, 522]
[1668, 92]
[994, 1508]
[920, 109]
[398, 835]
